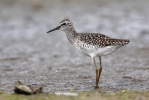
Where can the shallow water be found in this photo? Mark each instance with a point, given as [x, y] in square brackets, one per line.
[30, 55]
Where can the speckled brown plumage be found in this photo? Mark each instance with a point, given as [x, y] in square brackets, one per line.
[100, 40]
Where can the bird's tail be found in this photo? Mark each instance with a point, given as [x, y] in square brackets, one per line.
[120, 42]
[123, 41]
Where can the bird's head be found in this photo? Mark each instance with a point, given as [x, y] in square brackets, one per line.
[63, 25]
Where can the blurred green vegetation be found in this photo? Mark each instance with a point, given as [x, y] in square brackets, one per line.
[93, 95]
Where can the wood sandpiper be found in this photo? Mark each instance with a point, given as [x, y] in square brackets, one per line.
[91, 44]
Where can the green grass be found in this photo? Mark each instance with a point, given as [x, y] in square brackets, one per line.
[93, 95]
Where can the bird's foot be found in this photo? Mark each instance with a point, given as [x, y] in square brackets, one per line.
[97, 87]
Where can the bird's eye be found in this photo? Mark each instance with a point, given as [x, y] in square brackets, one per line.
[64, 24]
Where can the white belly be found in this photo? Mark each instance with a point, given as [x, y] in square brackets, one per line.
[103, 51]
[96, 51]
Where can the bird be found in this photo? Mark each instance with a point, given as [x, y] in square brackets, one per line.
[90, 44]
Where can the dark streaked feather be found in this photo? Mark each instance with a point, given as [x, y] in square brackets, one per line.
[100, 40]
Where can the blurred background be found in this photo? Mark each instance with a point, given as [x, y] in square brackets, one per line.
[30, 55]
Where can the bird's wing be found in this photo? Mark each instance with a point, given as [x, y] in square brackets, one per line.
[101, 40]
[93, 38]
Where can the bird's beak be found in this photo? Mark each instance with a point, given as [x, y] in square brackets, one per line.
[56, 28]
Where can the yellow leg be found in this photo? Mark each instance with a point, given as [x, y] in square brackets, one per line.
[100, 69]
[97, 73]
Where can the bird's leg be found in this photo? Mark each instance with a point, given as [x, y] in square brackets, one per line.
[100, 69]
[97, 73]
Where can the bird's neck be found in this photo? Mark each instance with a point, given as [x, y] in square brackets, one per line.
[71, 34]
